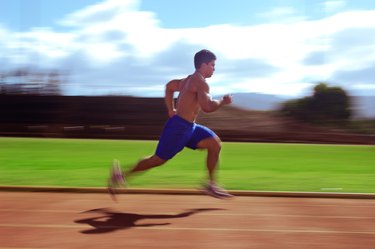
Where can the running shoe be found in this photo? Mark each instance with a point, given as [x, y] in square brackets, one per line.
[216, 191]
[116, 178]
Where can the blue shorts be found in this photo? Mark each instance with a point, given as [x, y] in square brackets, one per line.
[179, 133]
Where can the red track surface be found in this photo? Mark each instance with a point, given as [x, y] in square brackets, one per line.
[72, 220]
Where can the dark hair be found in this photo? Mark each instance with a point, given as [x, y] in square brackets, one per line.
[203, 56]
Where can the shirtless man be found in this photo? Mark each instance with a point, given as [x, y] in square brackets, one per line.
[181, 130]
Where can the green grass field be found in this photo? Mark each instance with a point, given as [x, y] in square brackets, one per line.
[243, 166]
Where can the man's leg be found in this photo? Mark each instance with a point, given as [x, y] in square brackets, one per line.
[145, 164]
[213, 146]
[117, 176]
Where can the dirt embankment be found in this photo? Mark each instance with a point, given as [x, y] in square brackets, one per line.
[245, 125]
[117, 117]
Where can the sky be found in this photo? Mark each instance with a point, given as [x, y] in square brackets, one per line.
[134, 47]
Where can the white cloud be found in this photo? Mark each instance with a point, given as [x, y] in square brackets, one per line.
[100, 12]
[140, 28]
[281, 15]
[130, 49]
[333, 5]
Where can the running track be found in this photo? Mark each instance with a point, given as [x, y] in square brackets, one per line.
[73, 220]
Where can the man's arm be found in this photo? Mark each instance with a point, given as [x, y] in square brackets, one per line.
[170, 88]
[207, 103]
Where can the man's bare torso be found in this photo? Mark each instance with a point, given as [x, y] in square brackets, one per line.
[187, 103]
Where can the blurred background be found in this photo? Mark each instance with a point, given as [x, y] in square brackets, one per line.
[299, 71]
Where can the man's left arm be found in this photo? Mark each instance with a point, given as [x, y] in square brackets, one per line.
[170, 88]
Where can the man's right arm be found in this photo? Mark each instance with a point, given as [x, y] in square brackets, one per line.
[207, 103]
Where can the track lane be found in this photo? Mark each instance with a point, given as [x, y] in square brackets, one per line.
[67, 220]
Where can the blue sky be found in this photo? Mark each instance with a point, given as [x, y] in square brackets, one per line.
[134, 47]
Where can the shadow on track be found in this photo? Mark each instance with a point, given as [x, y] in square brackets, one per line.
[110, 221]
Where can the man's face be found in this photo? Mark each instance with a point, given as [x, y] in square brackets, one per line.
[210, 68]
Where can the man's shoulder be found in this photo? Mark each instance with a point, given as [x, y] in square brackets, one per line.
[198, 79]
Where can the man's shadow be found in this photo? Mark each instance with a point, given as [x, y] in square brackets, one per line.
[110, 221]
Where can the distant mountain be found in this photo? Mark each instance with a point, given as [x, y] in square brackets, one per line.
[257, 101]
[363, 106]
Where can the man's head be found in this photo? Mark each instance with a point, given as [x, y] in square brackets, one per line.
[204, 61]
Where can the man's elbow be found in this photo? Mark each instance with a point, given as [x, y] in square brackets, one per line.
[210, 106]
[172, 86]
[168, 87]
[208, 109]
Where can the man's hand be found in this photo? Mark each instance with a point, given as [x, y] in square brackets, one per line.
[226, 100]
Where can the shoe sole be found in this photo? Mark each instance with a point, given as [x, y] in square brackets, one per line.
[217, 195]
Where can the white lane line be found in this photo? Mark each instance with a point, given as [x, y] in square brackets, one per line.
[201, 214]
[207, 229]
[40, 211]
[26, 247]
[293, 216]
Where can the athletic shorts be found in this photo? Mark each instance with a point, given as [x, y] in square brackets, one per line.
[179, 133]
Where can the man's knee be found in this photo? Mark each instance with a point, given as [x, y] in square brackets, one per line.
[212, 144]
[217, 144]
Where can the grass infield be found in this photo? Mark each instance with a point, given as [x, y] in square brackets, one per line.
[243, 166]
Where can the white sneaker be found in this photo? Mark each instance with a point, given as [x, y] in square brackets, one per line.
[116, 178]
[215, 191]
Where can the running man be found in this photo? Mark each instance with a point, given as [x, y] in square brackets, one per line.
[181, 130]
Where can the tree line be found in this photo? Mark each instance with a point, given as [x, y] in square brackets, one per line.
[326, 104]
[31, 81]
